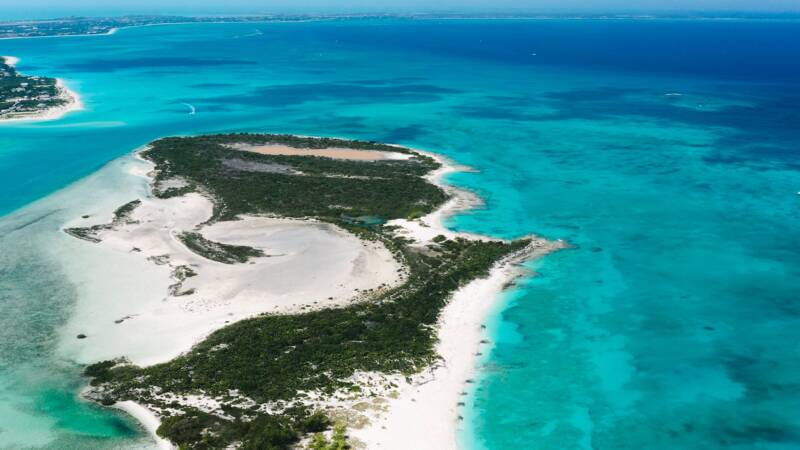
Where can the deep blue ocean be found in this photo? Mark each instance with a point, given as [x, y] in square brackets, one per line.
[667, 152]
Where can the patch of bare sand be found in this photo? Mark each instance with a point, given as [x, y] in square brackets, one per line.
[331, 152]
[145, 296]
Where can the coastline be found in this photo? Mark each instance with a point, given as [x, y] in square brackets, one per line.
[115, 30]
[74, 102]
[305, 261]
[107, 33]
[425, 412]
[606, 345]
[149, 421]
[11, 61]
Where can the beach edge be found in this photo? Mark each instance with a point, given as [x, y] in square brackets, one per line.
[426, 413]
[74, 102]
[415, 418]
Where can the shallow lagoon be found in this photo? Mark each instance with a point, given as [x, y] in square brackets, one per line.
[672, 324]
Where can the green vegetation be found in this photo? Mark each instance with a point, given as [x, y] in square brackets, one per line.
[87, 233]
[22, 95]
[180, 274]
[317, 350]
[183, 272]
[74, 26]
[121, 216]
[260, 432]
[123, 213]
[328, 188]
[273, 359]
[215, 251]
[338, 441]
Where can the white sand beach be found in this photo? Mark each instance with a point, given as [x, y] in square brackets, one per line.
[11, 60]
[73, 102]
[308, 265]
[424, 414]
[128, 305]
[110, 32]
[147, 419]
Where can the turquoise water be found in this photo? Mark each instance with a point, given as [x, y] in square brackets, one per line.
[673, 323]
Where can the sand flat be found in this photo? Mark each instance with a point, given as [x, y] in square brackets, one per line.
[330, 152]
[125, 305]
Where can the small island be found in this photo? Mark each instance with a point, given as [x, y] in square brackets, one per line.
[24, 97]
[394, 313]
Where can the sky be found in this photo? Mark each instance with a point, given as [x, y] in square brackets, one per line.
[16, 9]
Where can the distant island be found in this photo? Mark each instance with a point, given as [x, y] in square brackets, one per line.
[381, 334]
[93, 26]
[26, 97]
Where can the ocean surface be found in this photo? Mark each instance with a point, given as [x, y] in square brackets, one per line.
[666, 152]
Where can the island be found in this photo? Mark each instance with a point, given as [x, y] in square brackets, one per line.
[317, 300]
[92, 26]
[24, 97]
[98, 26]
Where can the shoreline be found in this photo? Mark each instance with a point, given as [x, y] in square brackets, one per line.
[107, 33]
[426, 410]
[74, 102]
[305, 260]
[11, 61]
[147, 419]
[115, 30]
[634, 17]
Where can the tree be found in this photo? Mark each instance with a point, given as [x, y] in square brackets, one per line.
[338, 442]
[318, 442]
[339, 438]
